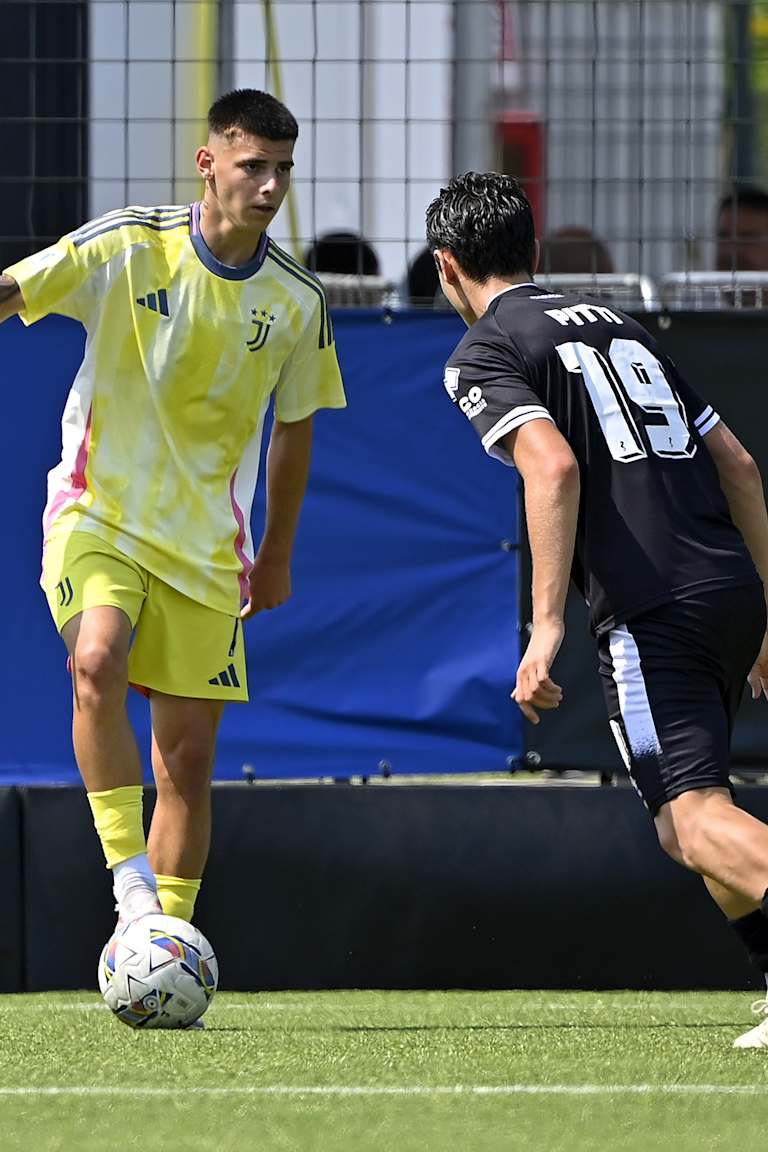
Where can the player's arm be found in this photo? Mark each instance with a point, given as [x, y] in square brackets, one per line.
[288, 456]
[310, 380]
[11, 300]
[59, 279]
[550, 475]
[742, 484]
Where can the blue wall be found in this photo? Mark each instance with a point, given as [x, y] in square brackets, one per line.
[400, 642]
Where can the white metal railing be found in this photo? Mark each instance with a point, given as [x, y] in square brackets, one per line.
[344, 290]
[624, 290]
[712, 291]
[675, 291]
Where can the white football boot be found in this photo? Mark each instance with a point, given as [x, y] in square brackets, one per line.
[133, 906]
[135, 891]
[757, 1037]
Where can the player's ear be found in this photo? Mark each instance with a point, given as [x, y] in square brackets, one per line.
[446, 263]
[204, 162]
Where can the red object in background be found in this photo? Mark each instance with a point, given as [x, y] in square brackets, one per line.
[520, 137]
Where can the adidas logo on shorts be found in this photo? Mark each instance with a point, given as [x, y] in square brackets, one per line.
[226, 679]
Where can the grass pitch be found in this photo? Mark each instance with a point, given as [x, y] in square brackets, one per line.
[399, 1071]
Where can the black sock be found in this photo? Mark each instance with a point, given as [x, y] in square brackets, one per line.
[752, 930]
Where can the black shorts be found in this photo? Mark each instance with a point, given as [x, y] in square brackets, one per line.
[673, 678]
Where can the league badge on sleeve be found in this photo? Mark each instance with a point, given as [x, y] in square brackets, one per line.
[451, 382]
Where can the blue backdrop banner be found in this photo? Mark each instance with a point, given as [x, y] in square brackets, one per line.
[400, 643]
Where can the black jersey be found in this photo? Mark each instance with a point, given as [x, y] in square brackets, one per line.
[654, 523]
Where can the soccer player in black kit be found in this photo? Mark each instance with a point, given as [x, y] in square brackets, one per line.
[635, 488]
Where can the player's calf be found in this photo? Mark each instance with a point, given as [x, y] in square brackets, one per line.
[117, 816]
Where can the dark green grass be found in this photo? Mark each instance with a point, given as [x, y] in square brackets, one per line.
[622, 1071]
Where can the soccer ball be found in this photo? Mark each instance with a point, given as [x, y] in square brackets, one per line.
[159, 972]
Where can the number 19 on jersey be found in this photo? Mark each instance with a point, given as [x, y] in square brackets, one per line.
[631, 372]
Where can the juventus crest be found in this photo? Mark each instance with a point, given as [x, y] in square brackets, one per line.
[263, 320]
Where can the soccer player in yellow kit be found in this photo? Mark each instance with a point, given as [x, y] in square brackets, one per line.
[194, 319]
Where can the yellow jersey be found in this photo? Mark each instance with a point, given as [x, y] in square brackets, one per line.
[161, 433]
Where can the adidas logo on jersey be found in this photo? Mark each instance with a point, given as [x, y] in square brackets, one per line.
[155, 301]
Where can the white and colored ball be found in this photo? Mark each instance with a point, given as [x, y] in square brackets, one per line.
[159, 972]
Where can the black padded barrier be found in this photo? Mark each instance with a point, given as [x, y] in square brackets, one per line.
[68, 904]
[402, 886]
[11, 932]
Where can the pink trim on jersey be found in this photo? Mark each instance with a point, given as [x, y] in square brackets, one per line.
[196, 218]
[77, 481]
[245, 589]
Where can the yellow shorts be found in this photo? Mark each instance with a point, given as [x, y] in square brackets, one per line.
[179, 646]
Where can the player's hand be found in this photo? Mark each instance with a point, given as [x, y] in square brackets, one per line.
[269, 582]
[535, 689]
[758, 677]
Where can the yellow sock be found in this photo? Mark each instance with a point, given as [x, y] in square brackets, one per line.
[117, 814]
[178, 896]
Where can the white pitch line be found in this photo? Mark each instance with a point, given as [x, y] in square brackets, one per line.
[402, 1090]
[20, 1009]
[88, 1006]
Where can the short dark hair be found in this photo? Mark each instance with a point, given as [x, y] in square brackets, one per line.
[485, 220]
[744, 196]
[252, 112]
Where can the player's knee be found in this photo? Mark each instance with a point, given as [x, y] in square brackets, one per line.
[185, 769]
[665, 830]
[691, 840]
[690, 815]
[690, 834]
[101, 676]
